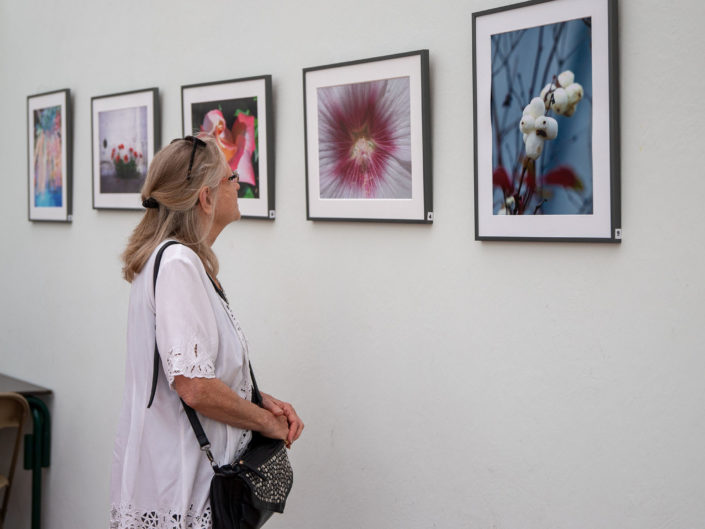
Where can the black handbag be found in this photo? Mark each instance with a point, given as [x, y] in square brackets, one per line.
[245, 493]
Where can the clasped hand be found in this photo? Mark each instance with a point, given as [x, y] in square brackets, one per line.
[284, 412]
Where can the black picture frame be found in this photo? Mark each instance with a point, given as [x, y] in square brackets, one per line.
[246, 119]
[50, 156]
[568, 190]
[367, 126]
[125, 136]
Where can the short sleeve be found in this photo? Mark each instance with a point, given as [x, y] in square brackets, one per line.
[187, 333]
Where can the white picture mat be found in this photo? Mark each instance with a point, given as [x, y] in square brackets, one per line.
[407, 209]
[137, 99]
[37, 103]
[596, 225]
[249, 207]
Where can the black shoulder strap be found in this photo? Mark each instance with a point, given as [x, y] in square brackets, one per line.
[256, 395]
[155, 370]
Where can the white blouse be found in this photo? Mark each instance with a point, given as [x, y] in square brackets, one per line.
[160, 477]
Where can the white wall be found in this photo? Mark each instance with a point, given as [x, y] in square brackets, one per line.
[445, 382]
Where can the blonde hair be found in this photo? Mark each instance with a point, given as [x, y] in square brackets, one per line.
[177, 216]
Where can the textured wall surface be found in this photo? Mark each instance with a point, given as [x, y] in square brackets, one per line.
[445, 382]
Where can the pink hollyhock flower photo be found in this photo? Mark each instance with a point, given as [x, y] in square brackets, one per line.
[237, 143]
[364, 140]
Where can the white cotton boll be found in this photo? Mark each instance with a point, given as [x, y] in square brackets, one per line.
[547, 127]
[534, 146]
[525, 135]
[526, 124]
[510, 202]
[566, 78]
[574, 93]
[560, 101]
[535, 108]
[569, 110]
[544, 95]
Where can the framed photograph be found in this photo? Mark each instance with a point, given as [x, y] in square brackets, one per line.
[239, 114]
[125, 136]
[547, 121]
[49, 156]
[368, 140]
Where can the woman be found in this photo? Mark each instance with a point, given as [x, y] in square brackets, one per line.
[160, 477]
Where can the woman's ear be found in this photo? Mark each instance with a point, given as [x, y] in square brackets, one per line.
[205, 200]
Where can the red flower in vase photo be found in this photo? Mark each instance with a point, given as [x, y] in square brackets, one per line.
[123, 136]
[127, 166]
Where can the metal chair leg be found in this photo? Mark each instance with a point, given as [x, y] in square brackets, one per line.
[37, 453]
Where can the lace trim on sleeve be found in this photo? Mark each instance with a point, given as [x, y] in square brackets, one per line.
[127, 517]
[188, 363]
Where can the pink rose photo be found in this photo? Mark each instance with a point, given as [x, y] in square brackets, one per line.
[237, 113]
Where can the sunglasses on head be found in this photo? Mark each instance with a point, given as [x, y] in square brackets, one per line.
[196, 143]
